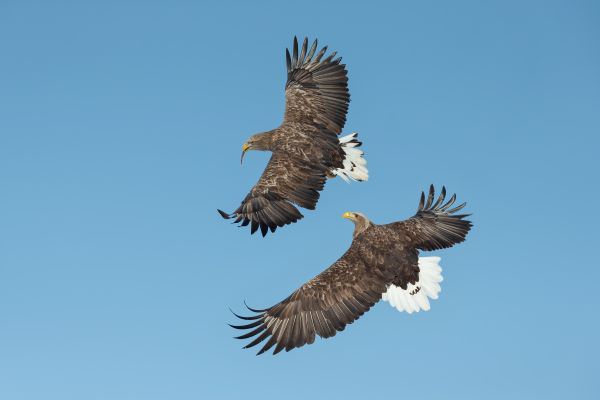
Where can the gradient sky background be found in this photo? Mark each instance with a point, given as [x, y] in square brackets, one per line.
[120, 132]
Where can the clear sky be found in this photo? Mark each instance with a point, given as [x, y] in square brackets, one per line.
[121, 125]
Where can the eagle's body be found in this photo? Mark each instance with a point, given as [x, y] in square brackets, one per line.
[304, 144]
[306, 147]
[382, 262]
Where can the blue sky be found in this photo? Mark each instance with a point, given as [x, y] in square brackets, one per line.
[120, 132]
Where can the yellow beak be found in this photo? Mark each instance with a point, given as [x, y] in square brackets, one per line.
[245, 148]
[347, 215]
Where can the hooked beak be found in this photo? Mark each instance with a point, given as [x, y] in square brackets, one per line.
[245, 148]
[347, 215]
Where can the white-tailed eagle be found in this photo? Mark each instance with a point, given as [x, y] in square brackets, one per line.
[382, 262]
[306, 149]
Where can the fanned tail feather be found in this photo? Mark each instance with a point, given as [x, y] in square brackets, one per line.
[416, 297]
[355, 165]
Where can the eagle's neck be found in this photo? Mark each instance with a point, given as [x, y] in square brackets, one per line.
[263, 141]
[361, 225]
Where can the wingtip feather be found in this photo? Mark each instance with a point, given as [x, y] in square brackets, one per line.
[224, 214]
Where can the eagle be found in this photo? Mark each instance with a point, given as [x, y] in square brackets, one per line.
[382, 263]
[306, 148]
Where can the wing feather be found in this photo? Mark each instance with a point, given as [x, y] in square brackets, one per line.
[324, 305]
[316, 89]
[285, 181]
[435, 227]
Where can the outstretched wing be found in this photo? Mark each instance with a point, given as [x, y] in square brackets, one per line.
[323, 306]
[316, 91]
[435, 225]
[285, 180]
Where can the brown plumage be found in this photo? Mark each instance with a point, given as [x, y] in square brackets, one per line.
[379, 256]
[306, 148]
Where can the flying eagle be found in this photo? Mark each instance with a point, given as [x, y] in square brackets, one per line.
[382, 262]
[306, 147]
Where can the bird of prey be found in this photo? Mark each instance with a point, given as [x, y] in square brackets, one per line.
[382, 262]
[306, 149]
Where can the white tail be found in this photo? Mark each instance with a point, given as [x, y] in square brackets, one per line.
[416, 297]
[355, 166]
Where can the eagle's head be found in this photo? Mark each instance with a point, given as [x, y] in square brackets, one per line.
[361, 222]
[260, 141]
